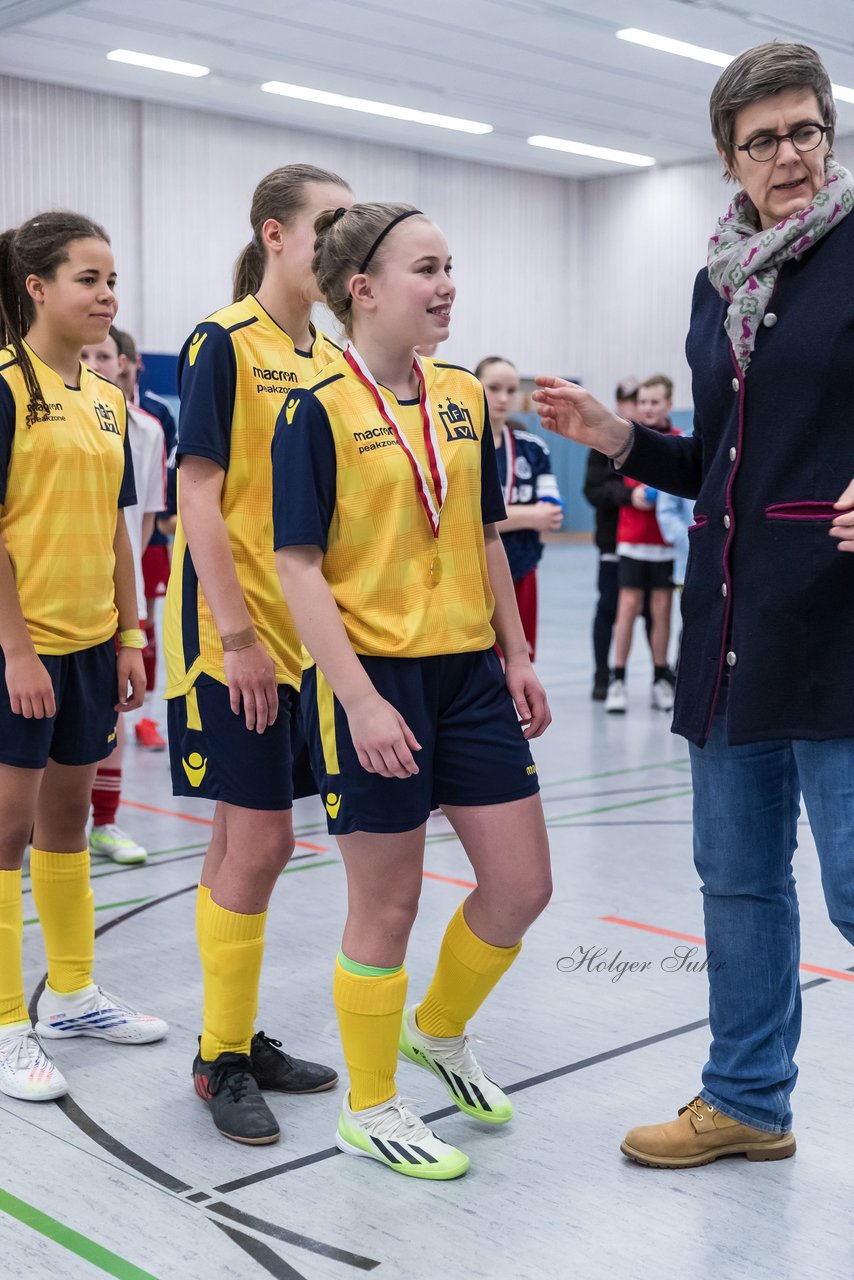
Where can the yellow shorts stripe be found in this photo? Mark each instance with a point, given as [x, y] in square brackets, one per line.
[194, 719]
[326, 714]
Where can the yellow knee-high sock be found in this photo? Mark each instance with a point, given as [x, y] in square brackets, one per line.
[467, 970]
[203, 897]
[232, 948]
[66, 906]
[369, 1011]
[12, 1006]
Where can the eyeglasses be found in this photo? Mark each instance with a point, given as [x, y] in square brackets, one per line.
[766, 145]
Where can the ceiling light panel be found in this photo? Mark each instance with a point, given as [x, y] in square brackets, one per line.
[154, 63]
[701, 54]
[597, 153]
[326, 99]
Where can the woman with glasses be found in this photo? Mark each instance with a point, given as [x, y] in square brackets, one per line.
[765, 693]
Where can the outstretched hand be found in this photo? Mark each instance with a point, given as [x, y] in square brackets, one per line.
[570, 411]
[843, 523]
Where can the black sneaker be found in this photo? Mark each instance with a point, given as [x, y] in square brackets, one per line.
[601, 680]
[231, 1091]
[276, 1070]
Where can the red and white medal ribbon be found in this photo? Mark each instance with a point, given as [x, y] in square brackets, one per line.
[510, 464]
[432, 507]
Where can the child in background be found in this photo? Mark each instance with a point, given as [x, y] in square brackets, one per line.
[646, 564]
[106, 838]
[531, 495]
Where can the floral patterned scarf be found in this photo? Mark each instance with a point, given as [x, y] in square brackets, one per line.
[744, 263]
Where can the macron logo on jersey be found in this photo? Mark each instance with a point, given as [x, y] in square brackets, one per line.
[196, 346]
[272, 379]
[290, 410]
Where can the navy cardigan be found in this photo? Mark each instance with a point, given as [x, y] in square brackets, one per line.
[768, 598]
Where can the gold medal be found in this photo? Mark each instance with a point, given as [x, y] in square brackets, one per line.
[434, 577]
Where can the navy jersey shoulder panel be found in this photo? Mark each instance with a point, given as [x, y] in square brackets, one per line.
[304, 473]
[207, 383]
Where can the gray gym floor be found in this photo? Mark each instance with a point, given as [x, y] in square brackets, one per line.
[128, 1177]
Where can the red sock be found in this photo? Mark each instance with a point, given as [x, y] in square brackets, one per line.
[149, 658]
[106, 794]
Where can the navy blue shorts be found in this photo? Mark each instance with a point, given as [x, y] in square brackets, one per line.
[472, 748]
[83, 730]
[214, 756]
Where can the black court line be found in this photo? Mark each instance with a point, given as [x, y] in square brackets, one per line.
[662, 789]
[108, 1143]
[270, 1261]
[262, 1254]
[518, 1087]
[292, 1237]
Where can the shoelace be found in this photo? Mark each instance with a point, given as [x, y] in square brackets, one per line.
[694, 1107]
[233, 1071]
[116, 1003]
[460, 1056]
[26, 1052]
[275, 1045]
[399, 1122]
[114, 833]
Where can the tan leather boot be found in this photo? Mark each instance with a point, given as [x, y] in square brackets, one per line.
[699, 1136]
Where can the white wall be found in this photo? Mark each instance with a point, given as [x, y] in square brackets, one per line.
[589, 278]
[173, 189]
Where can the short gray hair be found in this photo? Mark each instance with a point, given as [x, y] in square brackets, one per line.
[760, 72]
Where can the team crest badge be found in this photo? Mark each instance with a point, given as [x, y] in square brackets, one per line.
[107, 420]
[457, 421]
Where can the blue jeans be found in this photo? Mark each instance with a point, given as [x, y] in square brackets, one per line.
[746, 807]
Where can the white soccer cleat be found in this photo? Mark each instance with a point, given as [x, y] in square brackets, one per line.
[26, 1071]
[110, 841]
[391, 1134]
[93, 1012]
[452, 1060]
[662, 695]
[615, 699]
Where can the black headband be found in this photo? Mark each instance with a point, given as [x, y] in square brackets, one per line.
[410, 213]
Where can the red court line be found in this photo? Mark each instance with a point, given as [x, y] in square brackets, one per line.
[690, 937]
[466, 884]
[207, 822]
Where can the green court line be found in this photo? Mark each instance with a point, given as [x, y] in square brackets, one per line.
[107, 906]
[585, 813]
[310, 866]
[152, 853]
[628, 804]
[72, 1240]
[616, 773]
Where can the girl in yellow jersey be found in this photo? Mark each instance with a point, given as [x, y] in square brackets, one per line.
[386, 499]
[66, 589]
[232, 654]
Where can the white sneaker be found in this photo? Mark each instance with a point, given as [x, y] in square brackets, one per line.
[452, 1060]
[391, 1134]
[615, 699]
[110, 841]
[93, 1012]
[25, 1069]
[662, 695]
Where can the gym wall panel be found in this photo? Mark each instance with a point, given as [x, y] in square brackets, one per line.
[644, 237]
[68, 149]
[172, 186]
[511, 234]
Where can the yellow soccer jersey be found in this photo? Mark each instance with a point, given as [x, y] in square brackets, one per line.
[62, 480]
[234, 375]
[342, 482]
